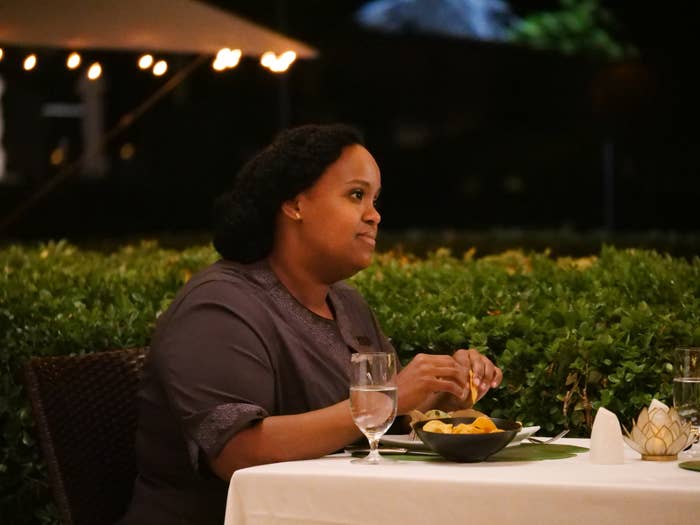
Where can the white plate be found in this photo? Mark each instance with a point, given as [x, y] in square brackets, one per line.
[403, 441]
[415, 443]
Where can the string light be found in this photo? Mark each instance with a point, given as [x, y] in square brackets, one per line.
[126, 152]
[29, 62]
[278, 64]
[145, 61]
[95, 71]
[73, 60]
[286, 60]
[57, 156]
[226, 59]
[2, 53]
[268, 59]
[160, 67]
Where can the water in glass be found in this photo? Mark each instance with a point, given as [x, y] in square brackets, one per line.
[686, 398]
[686, 389]
[373, 408]
[373, 397]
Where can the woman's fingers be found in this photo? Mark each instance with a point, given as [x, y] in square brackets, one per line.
[441, 366]
[451, 387]
[497, 377]
[486, 374]
[427, 374]
[430, 360]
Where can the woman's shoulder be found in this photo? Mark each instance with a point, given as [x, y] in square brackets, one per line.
[224, 284]
[224, 272]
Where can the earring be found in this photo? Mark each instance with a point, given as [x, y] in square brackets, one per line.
[297, 216]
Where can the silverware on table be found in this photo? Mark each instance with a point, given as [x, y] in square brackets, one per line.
[550, 440]
[357, 451]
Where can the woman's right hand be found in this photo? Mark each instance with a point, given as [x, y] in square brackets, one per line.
[427, 374]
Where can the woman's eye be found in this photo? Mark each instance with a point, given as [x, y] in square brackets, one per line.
[357, 194]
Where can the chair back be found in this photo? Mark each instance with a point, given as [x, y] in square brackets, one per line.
[85, 409]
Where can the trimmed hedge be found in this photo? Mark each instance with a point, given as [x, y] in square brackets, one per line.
[56, 299]
[570, 334]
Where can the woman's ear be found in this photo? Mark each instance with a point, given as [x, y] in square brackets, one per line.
[291, 209]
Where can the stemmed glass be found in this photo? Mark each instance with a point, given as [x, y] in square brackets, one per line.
[373, 398]
[686, 387]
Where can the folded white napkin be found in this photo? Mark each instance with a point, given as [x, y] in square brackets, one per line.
[606, 439]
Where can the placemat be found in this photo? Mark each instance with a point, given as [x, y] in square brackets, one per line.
[690, 465]
[524, 452]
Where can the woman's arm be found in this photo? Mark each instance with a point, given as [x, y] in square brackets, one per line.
[319, 432]
[285, 438]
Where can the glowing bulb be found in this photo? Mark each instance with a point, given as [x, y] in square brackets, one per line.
[73, 60]
[95, 71]
[222, 59]
[268, 59]
[145, 61]
[30, 62]
[222, 54]
[57, 156]
[1, 53]
[234, 56]
[278, 64]
[126, 152]
[160, 67]
[288, 57]
[226, 58]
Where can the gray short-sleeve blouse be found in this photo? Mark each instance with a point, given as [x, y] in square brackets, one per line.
[234, 347]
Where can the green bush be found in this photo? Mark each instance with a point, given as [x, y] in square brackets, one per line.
[56, 299]
[570, 334]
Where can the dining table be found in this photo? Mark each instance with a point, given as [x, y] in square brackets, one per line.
[412, 489]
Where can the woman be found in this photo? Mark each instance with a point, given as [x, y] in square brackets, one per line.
[250, 363]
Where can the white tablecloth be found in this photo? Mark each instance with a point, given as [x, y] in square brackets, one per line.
[571, 491]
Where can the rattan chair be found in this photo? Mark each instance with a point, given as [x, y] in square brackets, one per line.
[85, 410]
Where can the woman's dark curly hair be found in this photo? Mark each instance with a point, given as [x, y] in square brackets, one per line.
[244, 218]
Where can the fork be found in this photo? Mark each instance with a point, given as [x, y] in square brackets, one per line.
[550, 440]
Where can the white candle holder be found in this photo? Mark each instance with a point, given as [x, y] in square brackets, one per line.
[659, 433]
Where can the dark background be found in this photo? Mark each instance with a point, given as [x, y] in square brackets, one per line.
[468, 134]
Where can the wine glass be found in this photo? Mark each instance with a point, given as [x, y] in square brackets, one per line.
[373, 398]
[686, 387]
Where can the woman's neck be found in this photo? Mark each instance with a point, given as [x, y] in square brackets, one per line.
[302, 285]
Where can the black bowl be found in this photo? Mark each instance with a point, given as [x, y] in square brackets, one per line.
[468, 447]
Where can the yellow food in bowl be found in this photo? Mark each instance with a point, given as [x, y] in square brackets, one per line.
[481, 425]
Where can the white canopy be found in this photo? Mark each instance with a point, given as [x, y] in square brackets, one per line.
[175, 26]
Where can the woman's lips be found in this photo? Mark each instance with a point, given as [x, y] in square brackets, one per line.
[369, 238]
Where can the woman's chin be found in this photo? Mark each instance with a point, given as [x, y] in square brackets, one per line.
[363, 262]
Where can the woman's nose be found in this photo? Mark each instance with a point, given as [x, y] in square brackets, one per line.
[372, 215]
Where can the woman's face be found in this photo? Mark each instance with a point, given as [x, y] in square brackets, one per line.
[338, 215]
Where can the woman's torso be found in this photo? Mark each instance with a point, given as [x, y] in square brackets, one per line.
[297, 360]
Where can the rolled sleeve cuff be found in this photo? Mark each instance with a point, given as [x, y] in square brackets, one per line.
[211, 431]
